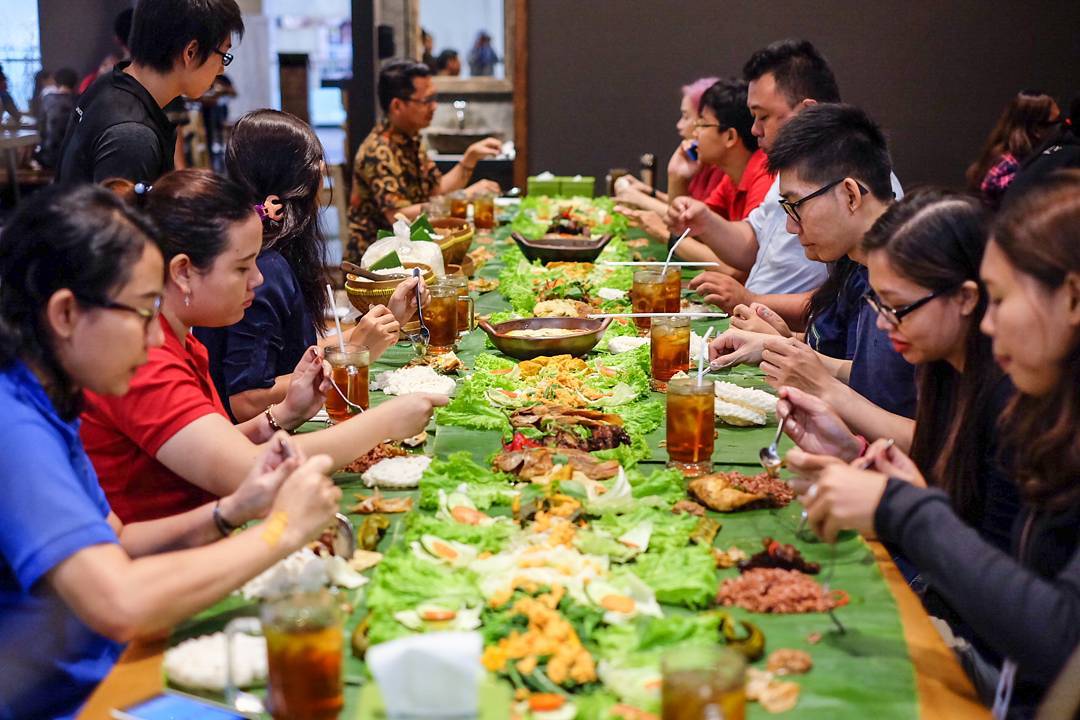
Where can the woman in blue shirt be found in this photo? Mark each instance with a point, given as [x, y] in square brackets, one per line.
[80, 289]
[278, 160]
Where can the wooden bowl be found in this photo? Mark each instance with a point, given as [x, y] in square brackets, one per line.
[568, 248]
[458, 237]
[527, 348]
[365, 293]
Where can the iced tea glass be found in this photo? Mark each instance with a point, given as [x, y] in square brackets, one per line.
[647, 296]
[484, 211]
[459, 205]
[349, 372]
[466, 305]
[672, 290]
[440, 316]
[669, 346]
[304, 649]
[691, 425]
[703, 681]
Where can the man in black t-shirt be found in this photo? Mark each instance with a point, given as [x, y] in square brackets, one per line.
[118, 128]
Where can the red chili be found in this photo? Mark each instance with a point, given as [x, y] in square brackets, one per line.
[520, 442]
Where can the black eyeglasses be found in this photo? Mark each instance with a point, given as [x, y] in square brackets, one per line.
[147, 314]
[430, 100]
[703, 125]
[895, 315]
[226, 58]
[792, 208]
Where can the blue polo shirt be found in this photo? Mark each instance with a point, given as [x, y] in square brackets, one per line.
[52, 508]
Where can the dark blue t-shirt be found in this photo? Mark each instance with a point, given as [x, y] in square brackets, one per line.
[878, 372]
[53, 507]
[268, 341]
[830, 331]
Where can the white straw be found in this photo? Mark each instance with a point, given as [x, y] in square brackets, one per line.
[671, 252]
[702, 352]
[337, 320]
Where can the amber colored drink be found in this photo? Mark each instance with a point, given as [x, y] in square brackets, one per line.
[484, 212]
[691, 425]
[440, 316]
[459, 205]
[465, 302]
[672, 290]
[647, 296]
[704, 682]
[304, 650]
[349, 371]
[669, 346]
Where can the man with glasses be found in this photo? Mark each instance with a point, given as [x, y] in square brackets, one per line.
[118, 127]
[392, 172]
[834, 176]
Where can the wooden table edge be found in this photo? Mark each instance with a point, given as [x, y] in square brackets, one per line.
[135, 677]
[944, 689]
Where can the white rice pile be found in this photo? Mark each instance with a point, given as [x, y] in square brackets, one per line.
[396, 473]
[413, 380]
[199, 663]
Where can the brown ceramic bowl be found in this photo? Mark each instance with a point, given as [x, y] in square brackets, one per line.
[567, 248]
[365, 293]
[526, 348]
[458, 237]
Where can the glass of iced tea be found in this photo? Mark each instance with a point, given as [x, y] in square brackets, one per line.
[672, 290]
[691, 425]
[304, 648]
[459, 205]
[349, 372]
[701, 682]
[440, 316]
[647, 296]
[484, 211]
[669, 346]
[466, 305]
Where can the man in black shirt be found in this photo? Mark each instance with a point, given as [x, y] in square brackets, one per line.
[118, 128]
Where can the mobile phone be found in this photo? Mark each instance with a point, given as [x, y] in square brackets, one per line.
[691, 151]
[171, 705]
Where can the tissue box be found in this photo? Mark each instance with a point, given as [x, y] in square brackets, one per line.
[577, 186]
[543, 186]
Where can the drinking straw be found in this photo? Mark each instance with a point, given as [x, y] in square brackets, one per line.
[337, 320]
[702, 352]
[671, 252]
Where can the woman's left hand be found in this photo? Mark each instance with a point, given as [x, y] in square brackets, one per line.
[884, 457]
[306, 392]
[843, 498]
[787, 361]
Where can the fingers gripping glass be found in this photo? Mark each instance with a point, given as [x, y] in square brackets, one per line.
[226, 58]
[792, 208]
[895, 315]
[147, 314]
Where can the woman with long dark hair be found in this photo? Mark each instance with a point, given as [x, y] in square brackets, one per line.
[1023, 603]
[168, 445]
[80, 289]
[1023, 124]
[278, 160]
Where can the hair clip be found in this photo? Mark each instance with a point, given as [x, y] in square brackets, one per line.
[142, 188]
[271, 209]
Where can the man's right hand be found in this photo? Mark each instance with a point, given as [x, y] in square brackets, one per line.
[686, 212]
[736, 347]
[486, 148]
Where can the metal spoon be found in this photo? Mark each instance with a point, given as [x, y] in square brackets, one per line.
[348, 402]
[420, 340]
[770, 456]
[354, 269]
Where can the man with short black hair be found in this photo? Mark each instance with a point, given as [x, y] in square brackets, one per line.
[784, 78]
[835, 180]
[118, 128]
[392, 173]
[448, 63]
[56, 108]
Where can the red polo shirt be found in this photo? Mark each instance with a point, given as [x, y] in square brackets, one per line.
[123, 434]
[735, 203]
[704, 182]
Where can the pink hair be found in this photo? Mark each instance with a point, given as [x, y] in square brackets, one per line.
[696, 89]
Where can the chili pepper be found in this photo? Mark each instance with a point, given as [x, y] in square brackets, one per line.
[520, 442]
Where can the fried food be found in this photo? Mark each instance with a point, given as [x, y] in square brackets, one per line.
[573, 428]
[532, 463]
[717, 492]
[778, 555]
[777, 591]
[376, 503]
[562, 308]
[375, 455]
[786, 661]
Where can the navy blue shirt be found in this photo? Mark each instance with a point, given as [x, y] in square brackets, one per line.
[53, 507]
[830, 331]
[269, 341]
[878, 372]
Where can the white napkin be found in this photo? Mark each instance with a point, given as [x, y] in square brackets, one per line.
[433, 675]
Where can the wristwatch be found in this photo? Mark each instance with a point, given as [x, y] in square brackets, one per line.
[224, 526]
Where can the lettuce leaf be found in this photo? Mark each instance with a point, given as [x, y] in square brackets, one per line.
[483, 486]
[679, 576]
[470, 407]
[667, 485]
[492, 538]
[670, 531]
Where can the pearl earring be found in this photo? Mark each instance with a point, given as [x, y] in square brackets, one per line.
[187, 300]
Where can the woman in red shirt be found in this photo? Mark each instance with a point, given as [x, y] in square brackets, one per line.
[168, 445]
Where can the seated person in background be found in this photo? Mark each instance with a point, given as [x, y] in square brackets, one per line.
[1024, 123]
[1061, 150]
[448, 63]
[56, 108]
[278, 160]
[1022, 603]
[119, 128]
[82, 279]
[685, 176]
[168, 446]
[834, 166]
[7, 103]
[392, 173]
[784, 78]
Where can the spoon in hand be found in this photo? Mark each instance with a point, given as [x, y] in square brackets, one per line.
[770, 456]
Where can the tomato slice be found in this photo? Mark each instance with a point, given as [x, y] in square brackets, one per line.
[546, 702]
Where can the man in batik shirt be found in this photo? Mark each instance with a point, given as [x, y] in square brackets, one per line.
[392, 173]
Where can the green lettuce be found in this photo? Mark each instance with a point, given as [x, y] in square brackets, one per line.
[402, 581]
[483, 486]
[670, 531]
[470, 407]
[667, 485]
[679, 576]
[492, 538]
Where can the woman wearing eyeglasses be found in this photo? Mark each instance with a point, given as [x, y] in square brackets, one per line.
[168, 445]
[81, 277]
[1023, 603]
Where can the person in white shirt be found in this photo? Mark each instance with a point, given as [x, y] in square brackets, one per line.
[784, 78]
